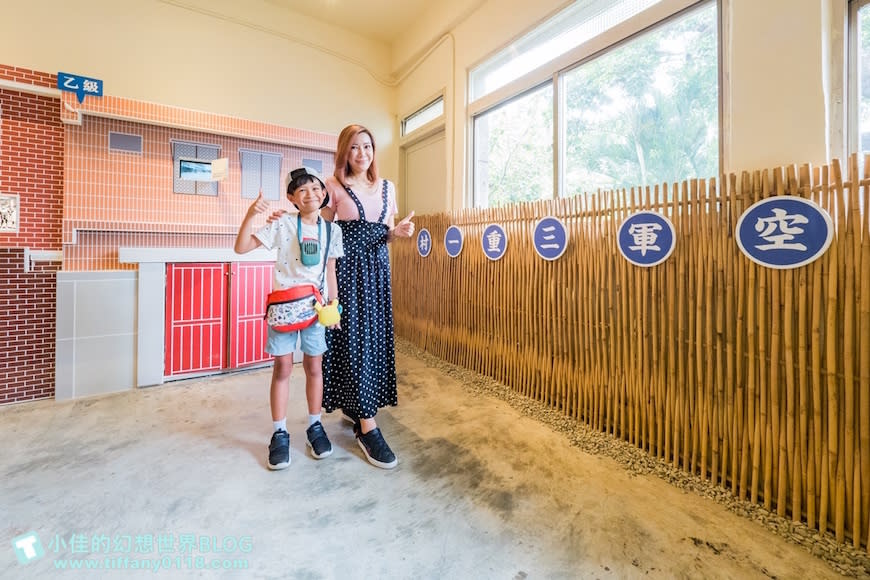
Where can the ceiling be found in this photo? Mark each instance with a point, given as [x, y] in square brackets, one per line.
[380, 20]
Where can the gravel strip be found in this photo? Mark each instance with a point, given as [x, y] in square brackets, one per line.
[843, 558]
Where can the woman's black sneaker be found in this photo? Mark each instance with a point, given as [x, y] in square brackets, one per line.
[376, 449]
[318, 441]
[349, 417]
[279, 450]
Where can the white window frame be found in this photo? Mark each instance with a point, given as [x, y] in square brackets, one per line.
[549, 72]
[202, 151]
[434, 121]
[845, 139]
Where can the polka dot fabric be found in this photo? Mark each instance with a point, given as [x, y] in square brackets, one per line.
[359, 366]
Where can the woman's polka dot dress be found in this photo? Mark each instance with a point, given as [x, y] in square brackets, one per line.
[359, 366]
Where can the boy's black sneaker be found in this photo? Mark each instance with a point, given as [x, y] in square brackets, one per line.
[279, 450]
[376, 449]
[318, 441]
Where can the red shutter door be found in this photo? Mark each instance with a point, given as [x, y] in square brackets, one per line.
[195, 318]
[251, 282]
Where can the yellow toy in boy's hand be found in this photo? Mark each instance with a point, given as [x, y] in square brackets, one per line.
[328, 315]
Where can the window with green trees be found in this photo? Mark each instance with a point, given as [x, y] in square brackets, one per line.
[642, 110]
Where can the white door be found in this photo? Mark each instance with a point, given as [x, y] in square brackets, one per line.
[424, 187]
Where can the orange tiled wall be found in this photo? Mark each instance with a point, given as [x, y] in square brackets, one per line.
[115, 199]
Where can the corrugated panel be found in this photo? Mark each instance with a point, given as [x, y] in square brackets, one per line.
[250, 162]
[271, 176]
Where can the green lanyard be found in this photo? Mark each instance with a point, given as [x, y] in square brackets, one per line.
[309, 250]
[314, 248]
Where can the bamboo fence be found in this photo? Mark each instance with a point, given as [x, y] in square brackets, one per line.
[755, 379]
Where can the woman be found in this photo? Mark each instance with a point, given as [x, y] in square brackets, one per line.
[359, 367]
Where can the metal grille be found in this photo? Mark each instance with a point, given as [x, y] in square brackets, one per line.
[125, 142]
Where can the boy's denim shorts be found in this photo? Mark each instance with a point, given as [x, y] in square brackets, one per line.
[312, 341]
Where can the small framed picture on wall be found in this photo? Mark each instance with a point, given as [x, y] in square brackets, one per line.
[8, 213]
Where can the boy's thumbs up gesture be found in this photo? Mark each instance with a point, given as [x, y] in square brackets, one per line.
[404, 228]
[260, 205]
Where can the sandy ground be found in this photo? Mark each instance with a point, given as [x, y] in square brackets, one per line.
[482, 490]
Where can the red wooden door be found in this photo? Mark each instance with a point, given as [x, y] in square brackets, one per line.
[195, 318]
[250, 283]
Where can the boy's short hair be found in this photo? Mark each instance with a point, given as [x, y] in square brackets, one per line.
[301, 176]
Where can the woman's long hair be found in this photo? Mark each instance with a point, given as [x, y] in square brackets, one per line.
[342, 154]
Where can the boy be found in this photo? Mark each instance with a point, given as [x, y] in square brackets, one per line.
[303, 258]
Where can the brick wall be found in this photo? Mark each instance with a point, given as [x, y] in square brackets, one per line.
[27, 328]
[31, 166]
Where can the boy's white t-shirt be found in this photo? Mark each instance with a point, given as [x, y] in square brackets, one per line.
[289, 270]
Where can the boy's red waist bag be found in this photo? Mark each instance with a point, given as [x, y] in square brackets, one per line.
[292, 309]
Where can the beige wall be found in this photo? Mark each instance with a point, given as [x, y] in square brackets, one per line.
[255, 61]
[775, 65]
[774, 91]
[246, 59]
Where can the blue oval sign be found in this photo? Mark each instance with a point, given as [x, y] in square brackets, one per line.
[453, 241]
[784, 231]
[646, 238]
[551, 238]
[494, 240]
[424, 242]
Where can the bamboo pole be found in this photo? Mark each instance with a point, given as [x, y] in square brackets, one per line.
[758, 330]
[670, 292]
[601, 393]
[851, 251]
[636, 353]
[705, 369]
[739, 428]
[660, 339]
[611, 311]
[690, 447]
[800, 469]
[864, 361]
[820, 392]
[749, 473]
[722, 402]
[680, 386]
[835, 470]
[772, 470]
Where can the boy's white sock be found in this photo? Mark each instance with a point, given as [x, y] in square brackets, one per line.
[280, 425]
[312, 419]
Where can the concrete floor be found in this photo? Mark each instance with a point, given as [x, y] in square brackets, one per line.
[480, 491]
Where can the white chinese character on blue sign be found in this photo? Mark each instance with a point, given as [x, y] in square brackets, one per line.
[784, 232]
[424, 242]
[646, 238]
[784, 226]
[550, 238]
[494, 240]
[453, 241]
[79, 85]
